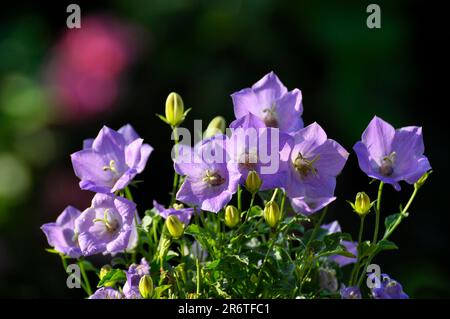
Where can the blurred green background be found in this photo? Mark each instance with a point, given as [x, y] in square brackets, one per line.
[59, 86]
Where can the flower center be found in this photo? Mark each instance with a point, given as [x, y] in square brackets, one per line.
[111, 225]
[270, 118]
[303, 165]
[213, 178]
[112, 167]
[387, 165]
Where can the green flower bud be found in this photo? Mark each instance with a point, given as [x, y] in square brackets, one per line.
[422, 180]
[253, 182]
[146, 286]
[272, 214]
[232, 217]
[174, 226]
[216, 126]
[104, 270]
[174, 109]
[362, 204]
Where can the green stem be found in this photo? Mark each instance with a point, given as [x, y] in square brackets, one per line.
[313, 234]
[378, 213]
[274, 194]
[402, 215]
[175, 175]
[389, 231]
[355, 270]
[198, 277]
[85, 278]
[239, 198]
[283, 200]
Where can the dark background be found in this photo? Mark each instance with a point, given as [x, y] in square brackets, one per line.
[206, 50]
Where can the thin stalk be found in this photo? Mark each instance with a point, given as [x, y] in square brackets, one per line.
[175, 175]
[378, 213]
[85, 278]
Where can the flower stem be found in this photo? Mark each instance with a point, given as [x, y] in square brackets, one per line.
[85, 278]
[175, 175]
[274, 194]
[239, 198]
[377, 213]
[355, 270]
[389, 231]
[197, 263]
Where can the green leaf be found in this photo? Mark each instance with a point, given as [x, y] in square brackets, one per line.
[213, 265]
[390, 220]
[385, 245]
[146, 222]
[88, 265]
[366, 249]
[159, 290]
[162, 118]
[113, 276]
[255, 211]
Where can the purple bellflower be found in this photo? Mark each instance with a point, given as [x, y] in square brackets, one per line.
[210, 181]
[106, 293]
[61, 234]
[391, 155]
[183, 214]
[350, 246]
[313, 162]
[270, 101]
[350, 293]
[109, 162]
[107, 226]
[387, 288]
[254, 147]
[134, 274]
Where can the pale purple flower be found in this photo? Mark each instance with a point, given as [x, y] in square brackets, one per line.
[109, 162]
[61, 234]
[350, 246]
[270, 101]
[350, 293]
[210, 182]
[134, 274]
[313, 162]
[388, 288]
[106, 293]
[254, 147]
[107, 226]
[392, 155]
[183, 214]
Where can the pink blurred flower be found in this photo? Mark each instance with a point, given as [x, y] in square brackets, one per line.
[86, 66]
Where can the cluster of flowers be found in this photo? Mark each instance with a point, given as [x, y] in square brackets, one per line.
[268, 149]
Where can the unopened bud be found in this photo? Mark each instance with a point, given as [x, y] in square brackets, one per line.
[104, 270]
[174, 226]
[422, 180]
[174, 109]
[216, 126]
[253, 182]
[232, 217]
[146, 286]
[272, 214]
[362, 204]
